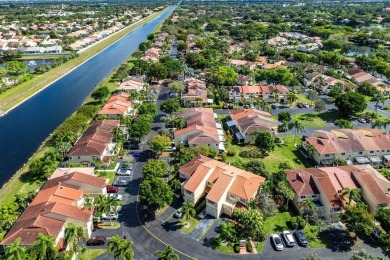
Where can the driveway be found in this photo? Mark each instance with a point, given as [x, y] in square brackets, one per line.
[202, 226]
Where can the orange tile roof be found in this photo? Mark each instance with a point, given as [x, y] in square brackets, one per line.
[371, 184]
[220, 186]
[116, 105]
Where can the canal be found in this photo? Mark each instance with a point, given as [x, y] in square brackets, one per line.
[24, 128]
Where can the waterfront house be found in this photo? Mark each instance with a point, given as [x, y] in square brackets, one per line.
[118, 106]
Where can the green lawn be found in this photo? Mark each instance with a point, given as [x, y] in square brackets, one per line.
[228, 249]
[302, 99]
[161, 211]
[89, 254]
[315, 240]
[282, 153]
[193, 223]
[310, 120]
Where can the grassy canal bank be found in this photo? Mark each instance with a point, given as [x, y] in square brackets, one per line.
[18, 94]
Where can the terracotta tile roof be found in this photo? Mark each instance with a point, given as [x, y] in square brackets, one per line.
[95, 139]
[243, 184]
[250, 120]
[302, 182]
[59, 193]
[349, 140]
[75, 177]
[368, 181]
[117, 105]
[195, 88]
[329, 191]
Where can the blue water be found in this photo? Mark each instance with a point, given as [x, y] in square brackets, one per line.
[24, 128]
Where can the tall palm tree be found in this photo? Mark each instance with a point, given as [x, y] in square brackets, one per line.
[109, 205]
[44, 248]
[352, 194]
[297, 126]
[308, 207]
[120, 248]
[15, 251]
[380, 123]
[72, 237]
[310, 149]
[276, 94]
[292, 98]
[188, 211]
[168, 254]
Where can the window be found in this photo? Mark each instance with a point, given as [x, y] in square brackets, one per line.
[342, 153]
[188, 192]
[208, 145]
[327, 155]
[360, 152]
[210, 202]
[70, 157]
[371, 151]
[78, 157]
[303, 197]
[314, 196]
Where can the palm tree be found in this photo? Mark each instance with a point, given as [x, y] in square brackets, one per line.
[276, 94]
[297, 126]
[178, 122]
[308, 207]
[188, 211]
[352, 194]
[44, 248]
[291, 97]
[72, 236]
[120, 248]
[168, 254]
[380, 123]
[15, 251]
[108, 205]
[89, 203]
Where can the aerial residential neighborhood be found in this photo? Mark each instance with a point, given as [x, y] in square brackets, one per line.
[195, 130]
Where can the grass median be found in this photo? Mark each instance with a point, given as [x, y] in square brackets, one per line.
[21, 92]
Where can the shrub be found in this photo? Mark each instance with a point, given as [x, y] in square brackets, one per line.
[231, 153]
[236, 248]
[249, 246]
[251, 153]
[278, 140]
[293, 223]
[223, 156]
[301, 223]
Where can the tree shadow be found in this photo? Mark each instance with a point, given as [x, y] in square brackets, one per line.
[337, 240]
[279, 228]
[172, 226]
[27, 177]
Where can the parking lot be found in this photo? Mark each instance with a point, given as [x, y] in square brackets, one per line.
[270, 247]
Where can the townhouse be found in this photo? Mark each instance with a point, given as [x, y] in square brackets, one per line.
[195, 93]
[322, 82]
[60, 201]
[202, 128]
[356, 146]
[94, 145]
[131, 84]
[246, 121]
[361, 76]
[268, 93]
[243, 63]
[118, 106]
[326, 186]
[223, 186]
[244, 80]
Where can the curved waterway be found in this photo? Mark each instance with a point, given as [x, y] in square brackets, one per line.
[24, 128]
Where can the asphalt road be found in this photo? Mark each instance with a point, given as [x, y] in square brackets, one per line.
[149, 234]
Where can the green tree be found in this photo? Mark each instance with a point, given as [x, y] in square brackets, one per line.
[352, 194]
[350, 103]
[155, 194]
[176, 87]
[339, 162]
[312, 95]
[159, 143]
[284, 117]
[168, 254]
[358, 220]
[170, 105]
[276, 75]
[311, 256]
[250, 223]
[44, 248]
[383, 216]
[380, 123]
[384, 243]
[158, 71]
[308, 207]
[319, 105]
[286, 192]
[227, 232]
[72, 237]
[256, 166]
[154, 169]
[15, 251]
[188, 212]
[362, 254]
[140, 127]
[342, 123]
[120, 248]
[100, 93]
[148, 108]
[297, 126]
[367, 89]
[16, 67]
[264, 141]
[107, 204]
[379, 98]
[223, 75]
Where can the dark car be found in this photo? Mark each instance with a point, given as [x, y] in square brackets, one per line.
[368, 120]
[300, 237]
[274, 107]
[96, 241]
[112, 189]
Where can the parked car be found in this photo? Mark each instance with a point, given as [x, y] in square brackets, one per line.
[120, 183]
[362, 120]
[118, 209]
[111, 216]
[283, 107]
[300, 105]
[288, 238]
[136, 154]
[376, 233]
[300, 237]
[277, 242]
[126, 167]
[171, 149]
[112, 189]
[116, 195]
[246, 106]
[273, 106]
[178, 213]
[306, 105]
[367, 119]
[96, 241]
[123, 172]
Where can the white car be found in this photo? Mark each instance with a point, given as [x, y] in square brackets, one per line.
[362, 120]
[178, 213]
[116, 195]
[123, 172]
[277, 242]
[288, 237]
[111, 216]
